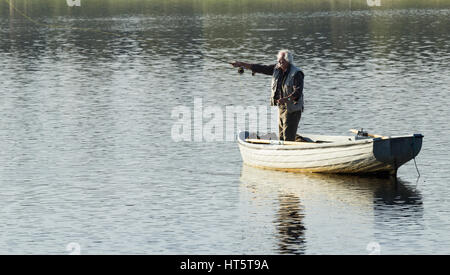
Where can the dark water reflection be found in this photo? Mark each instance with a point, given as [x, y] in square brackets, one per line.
[96, 8]
[393, 204]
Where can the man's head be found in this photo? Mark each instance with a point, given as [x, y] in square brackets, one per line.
[284, 58]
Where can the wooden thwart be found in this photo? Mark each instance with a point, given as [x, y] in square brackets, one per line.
[275, 142]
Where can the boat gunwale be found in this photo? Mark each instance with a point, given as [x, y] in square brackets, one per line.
[305, 146]
[311, 145]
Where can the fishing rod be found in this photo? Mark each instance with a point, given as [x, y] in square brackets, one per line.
[218, 59]
[240, 69]
[23, 14]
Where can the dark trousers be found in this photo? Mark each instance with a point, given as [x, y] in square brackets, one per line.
[288, 123]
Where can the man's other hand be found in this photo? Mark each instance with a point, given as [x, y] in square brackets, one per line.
[282, 101]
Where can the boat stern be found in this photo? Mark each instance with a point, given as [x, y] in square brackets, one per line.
[396, 151]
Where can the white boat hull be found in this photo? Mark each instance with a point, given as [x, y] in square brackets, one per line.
[336, 155]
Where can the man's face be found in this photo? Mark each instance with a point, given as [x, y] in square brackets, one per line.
[282, 63]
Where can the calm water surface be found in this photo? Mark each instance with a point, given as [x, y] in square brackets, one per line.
[87, 156]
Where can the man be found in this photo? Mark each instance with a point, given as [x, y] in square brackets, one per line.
[287, 91]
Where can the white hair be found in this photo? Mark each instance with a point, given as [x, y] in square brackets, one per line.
[287, 56]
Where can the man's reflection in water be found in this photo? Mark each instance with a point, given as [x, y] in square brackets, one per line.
[290, 225]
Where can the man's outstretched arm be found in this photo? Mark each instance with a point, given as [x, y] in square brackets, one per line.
[257, 68]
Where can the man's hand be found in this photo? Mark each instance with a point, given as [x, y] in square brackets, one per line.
[241, 65]
[237, 64]
[282, 101]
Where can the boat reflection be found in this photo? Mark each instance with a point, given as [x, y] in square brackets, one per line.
[325, 205]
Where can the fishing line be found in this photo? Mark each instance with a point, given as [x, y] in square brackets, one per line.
[218, 59]
[55, 26]
[240, 69]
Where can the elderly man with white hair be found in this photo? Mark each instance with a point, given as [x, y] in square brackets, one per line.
[287, 91]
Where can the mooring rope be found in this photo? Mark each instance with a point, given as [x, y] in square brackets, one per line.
[417, 169]
[415, 163]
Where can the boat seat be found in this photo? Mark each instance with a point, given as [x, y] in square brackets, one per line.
[269, 136]
[255, 137]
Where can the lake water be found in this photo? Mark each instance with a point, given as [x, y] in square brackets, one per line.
[87, 153]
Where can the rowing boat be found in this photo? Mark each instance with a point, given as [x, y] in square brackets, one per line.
[359, 154]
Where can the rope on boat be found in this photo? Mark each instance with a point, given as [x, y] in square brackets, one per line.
[417, 169]
[415, 163]
[417, 180]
